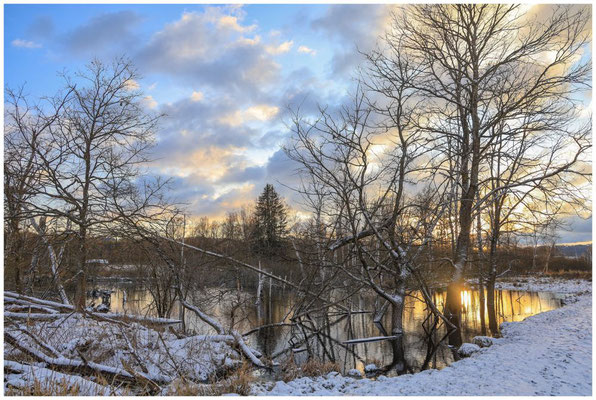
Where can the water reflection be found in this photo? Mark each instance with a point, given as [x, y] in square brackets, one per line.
[239, 309]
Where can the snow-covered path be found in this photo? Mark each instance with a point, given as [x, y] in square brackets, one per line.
[546, 354]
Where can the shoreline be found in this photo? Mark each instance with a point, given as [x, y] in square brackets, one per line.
[549, 353]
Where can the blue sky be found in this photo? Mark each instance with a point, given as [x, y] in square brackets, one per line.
[224, 75]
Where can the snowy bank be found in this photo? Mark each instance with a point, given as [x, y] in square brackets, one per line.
[546, 354]
[572, 287]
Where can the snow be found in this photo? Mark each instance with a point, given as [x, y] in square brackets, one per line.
[467, 349]
[355, 373]
[546, 354]
[22, 376]
[161, 353]
[483, 341]
[370, 368]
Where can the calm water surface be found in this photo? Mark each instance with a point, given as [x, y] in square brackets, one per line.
[238, 308]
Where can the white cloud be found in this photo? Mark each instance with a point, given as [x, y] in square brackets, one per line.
[261, 112]
[213, 48]
[149, 102]
[231, 22]
[282, 48]
[196, 96]
[28, 44]
[245, 41]
[131, 84]
[307, 50]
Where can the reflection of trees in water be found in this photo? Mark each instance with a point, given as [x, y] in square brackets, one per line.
[417, 348]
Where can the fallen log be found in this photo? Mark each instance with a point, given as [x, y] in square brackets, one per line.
[100, 316]
[48, 348]
[82, 367]
[35, 316]
[26, 376]
[205, 318]
[248, 352]
[28, 308]
[11, 295]
[16, 298]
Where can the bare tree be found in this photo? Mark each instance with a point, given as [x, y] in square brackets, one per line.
[482, 67]
[89, 156]
[358, 191]
[25, 125]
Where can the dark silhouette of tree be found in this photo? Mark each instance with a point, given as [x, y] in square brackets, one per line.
[270, 221]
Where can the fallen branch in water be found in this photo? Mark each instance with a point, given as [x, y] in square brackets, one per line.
[247, 350]
[205, 318]
[369, 339]
[277, 324]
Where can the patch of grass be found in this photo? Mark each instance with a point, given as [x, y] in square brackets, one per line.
[317, 368]
[183, 388]
[46, 388]
[239, 382]
[311, 368]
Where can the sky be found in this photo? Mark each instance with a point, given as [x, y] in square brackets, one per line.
[224, 76]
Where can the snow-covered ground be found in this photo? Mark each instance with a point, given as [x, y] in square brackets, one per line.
[159, 356]
[546, 354]
[574, 288]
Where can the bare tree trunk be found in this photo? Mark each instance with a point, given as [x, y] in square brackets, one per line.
[81, 289]
[549, 253]
[480, 273]
[397, 308]
[490, 287]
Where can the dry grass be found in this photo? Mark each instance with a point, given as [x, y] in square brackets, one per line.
[184, 388]
[311, 368]
[238, 382]
[47, 388]
[570, 274]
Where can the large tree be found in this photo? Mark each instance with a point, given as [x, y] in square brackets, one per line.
[89, 157]
[488, 72]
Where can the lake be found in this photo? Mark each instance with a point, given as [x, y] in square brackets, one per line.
[237, 308]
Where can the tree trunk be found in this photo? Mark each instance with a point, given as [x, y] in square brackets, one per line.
[397, 309]
[482, 300]
[81, 290]
[490, 287]
[549, 253]
[15, 255]
[453, 311]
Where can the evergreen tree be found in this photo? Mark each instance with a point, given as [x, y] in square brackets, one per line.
[270, 221]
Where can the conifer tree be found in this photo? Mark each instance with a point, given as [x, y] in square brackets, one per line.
[270, 221]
